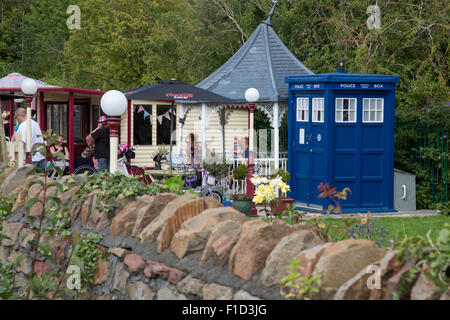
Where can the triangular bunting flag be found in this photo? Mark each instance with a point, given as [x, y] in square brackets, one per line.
[159, 119]
[146, 114]
[166, 115]
[141, 108]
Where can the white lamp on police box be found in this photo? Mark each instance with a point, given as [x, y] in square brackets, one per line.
[251, 95]
[29, 88]
[113, 104]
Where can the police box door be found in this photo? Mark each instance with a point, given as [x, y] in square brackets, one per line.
[309, 164]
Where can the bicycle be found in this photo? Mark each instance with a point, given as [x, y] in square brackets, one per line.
[205, 187]
[126, 153]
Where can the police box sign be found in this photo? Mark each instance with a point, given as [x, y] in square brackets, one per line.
[358, 86]
[346, 85]
[309, 86]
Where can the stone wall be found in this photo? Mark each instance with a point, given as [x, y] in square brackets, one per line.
[168, 247]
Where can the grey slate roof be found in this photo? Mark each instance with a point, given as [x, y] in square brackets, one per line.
[262, 62]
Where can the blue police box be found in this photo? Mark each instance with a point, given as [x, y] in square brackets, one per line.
[341, 132]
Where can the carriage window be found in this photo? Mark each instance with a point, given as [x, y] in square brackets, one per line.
[57, 119]
[373, 109]
[78, 123]
[317, 109]
[302, 109]
[142, 124]
[345, 109]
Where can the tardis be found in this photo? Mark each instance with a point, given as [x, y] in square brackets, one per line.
[341, 132]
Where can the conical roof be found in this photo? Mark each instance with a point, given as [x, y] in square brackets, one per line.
[263, 62]
[14, 81]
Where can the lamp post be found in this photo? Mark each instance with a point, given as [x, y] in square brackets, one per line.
[29, 88]
[113, 104]
[251, 95]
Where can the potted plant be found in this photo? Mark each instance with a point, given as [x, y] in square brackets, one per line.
[240, 201]
[279, 204]
[265, 194]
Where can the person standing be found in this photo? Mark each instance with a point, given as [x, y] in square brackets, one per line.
[6, 116]
[37, 158]
[101, 137]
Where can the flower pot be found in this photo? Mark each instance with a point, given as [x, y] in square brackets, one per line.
[243, 205]
[279, 204]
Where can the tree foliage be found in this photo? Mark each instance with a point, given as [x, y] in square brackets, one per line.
[124, 44]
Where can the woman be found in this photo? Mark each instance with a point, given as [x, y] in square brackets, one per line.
[63, 164]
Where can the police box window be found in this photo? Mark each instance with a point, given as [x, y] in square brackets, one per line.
[345, 110]
[373, 109]
[303, 109]
[317, 109]
[163, 132]
[142, 124]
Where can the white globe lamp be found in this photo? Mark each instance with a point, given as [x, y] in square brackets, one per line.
[29, 87]
[252, 95]
[114, 103]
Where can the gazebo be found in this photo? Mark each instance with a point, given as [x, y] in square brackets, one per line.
[263, 62]
[70, 112]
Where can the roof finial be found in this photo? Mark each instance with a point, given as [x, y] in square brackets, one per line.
[268, 22]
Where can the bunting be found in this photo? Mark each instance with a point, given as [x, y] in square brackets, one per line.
[167, 115]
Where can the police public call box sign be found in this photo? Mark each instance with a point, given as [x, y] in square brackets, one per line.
[341, 132]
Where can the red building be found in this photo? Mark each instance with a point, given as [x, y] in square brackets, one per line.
[70, 112]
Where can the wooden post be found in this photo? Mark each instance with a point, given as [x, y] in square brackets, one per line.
[204, 115]
[3, 153]
[251, 159]
[11, 119]
[42, 113]
[70, 134]
[129, 123]
[276, 128]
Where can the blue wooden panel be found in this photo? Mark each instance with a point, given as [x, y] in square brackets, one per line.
[300, 188]
[371, 194]
[344, 166]
[344, 137]
[372, 165]
[372, 137]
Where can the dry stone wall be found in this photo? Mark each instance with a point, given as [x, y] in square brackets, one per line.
[168, 247]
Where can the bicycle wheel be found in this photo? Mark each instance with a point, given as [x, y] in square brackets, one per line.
[138, 172]
[85, 169]
[216, 196]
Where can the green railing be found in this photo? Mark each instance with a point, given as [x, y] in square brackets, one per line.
[267, 133]
[425, 145]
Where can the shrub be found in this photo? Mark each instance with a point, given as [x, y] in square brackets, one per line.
[284, 174]
[240, 172]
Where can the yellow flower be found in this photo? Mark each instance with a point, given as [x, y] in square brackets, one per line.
[256, 180]
[285, 188]
[257, 199]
